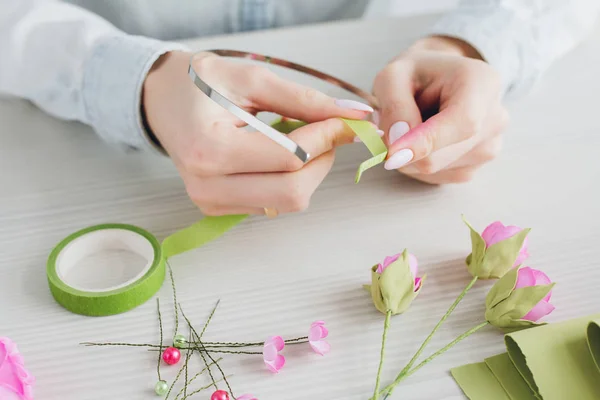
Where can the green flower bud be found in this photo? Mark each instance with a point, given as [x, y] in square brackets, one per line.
[394, 283]
[490, 258]
[519, 299]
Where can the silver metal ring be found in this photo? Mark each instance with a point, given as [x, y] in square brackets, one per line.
[256, 123]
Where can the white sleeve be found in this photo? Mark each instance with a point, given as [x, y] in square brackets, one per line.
[520, 38]
[75, 65]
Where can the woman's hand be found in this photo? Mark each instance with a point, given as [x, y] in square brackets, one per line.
[441, 111]
[227, 169]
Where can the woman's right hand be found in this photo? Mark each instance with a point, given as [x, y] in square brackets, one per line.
[227, 169]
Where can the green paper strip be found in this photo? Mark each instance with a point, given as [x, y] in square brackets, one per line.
[112, 301]
[478, 382]
[287, 125]
[549, 362]
[368, 134]
[363, 129]
[202, 232]
[593, 337]
[509, 378]
[555, 359]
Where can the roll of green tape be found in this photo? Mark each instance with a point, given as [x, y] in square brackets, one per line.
[112, 300]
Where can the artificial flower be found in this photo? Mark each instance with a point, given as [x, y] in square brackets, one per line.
[316, 334]
[15, 381]
[496, 250]
[273, 360]
[519, 299]
[394, 283]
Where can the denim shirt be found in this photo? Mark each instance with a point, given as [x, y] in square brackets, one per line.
[86, 60]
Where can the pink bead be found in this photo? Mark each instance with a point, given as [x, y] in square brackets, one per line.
[220, 395]
[171, 355]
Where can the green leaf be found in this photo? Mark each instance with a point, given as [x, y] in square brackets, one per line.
[396, 282]
[502, 288]
[517, 305]
[376, 295]
[501, 256]
[475, 259]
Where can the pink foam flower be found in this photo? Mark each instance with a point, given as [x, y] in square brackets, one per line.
[316, 334]
[15, 381]
[497, 232]
[273, 360]
[412, 263]
[246, 397]
[528, 277]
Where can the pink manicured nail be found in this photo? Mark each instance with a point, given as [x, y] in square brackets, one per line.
[357, 139]
[399, 159]
[353, 105]
[398, 130]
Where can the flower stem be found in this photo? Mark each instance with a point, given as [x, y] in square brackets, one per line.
[386, 327]
[389, 389]
[428, 339]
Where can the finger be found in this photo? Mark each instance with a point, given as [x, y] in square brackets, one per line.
[395, 90]
[235, 151]
[459, 119]
[217, 211]
[271, 92]
[284, 191]
[479, 149]
[448, 176]
[481, 154]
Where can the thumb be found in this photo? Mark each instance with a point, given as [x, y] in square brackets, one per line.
[398, 111]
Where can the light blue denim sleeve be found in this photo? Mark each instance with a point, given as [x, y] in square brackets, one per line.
[112, 87]
[75, 65]
[520, 38]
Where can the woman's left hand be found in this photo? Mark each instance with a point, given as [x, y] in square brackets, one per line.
[441, 111]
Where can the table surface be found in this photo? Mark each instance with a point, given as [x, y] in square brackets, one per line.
[277, 276]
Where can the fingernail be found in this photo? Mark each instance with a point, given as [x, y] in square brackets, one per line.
[379, 132]
[398, 130]
[375, 117]
[353, 105]
[399, 159]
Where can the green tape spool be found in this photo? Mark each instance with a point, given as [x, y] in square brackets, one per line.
[113, 300]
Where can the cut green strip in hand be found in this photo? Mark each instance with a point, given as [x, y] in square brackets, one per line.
[365, 130]
[368, 134]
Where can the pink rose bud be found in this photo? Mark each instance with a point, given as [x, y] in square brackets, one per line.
[394, 283]
[497, 232]
[496, 250]
[519, 299]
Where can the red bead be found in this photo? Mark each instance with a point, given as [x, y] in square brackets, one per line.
[220, 395]
[171, 355]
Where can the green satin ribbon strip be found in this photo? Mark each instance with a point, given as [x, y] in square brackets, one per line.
[550, 362]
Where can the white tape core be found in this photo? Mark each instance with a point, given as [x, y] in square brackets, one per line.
[104, 260]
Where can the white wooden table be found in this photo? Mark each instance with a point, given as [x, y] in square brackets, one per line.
[276, 277]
